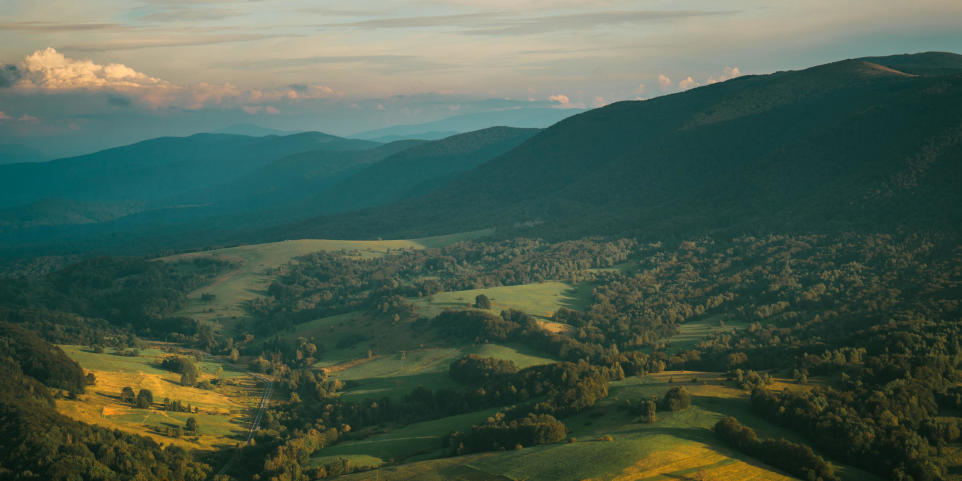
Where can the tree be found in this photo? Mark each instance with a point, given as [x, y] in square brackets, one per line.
[676, 399]
[482, 302]
[191, 426]
[127, 395]
[144, 399]
[188, 378]
[650, 409]
[91, 379]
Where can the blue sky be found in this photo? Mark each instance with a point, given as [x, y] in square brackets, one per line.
[110, 71]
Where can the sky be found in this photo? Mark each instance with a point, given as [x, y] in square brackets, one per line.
[76, 76]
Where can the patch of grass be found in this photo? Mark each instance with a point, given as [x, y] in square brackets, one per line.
[541, 299]
[403, 442]
[521, 356]
[691, 333]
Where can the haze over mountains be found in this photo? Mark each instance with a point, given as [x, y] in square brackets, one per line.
[832, 147]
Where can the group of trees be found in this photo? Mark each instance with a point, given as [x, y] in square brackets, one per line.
[794, 458]
[189, 373]
[502, 432]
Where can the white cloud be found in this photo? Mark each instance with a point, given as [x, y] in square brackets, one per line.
[599, 101]
[687, 83]
[560, 99]
[3, 116]
[640, 89]
[664, 81]
[727, 74]
[251, 109]
[27, 118]
[271, 110]
[50, 70]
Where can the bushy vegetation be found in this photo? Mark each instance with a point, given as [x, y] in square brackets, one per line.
[792, 457]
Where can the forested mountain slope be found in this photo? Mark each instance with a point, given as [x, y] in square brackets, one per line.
[855, 144]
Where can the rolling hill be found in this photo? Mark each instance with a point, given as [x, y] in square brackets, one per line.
[852, 145]
[156, 170]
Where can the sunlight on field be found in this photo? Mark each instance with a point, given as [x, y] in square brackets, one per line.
[222, 414]
[541, 299]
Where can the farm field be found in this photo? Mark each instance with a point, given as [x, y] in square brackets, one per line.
[223, 413]
[253, 265]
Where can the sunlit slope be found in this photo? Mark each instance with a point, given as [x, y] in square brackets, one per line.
[223, 413]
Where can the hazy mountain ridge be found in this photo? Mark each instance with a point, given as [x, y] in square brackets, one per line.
[816, 149]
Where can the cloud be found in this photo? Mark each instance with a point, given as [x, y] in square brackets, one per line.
[664, 81]
[510, 23]
[58, 27]
[50, 71]
[599, 101]
[727, 74]
[271, 110]
[4, 116]
[640, 89]
[27, 118]
[688, 83]
[560, 99]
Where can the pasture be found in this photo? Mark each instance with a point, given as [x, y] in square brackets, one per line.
[540, 299]
[678, 445]
[223, 413]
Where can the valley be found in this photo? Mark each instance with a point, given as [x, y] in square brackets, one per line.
[758, 278]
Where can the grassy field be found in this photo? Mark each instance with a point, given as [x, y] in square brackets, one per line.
[395, 375]
[223, 413]
[254, 263]
[541, 299]
[424, 439]
[677, 446]
[691, 333]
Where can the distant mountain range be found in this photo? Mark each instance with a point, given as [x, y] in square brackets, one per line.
[872, 144]
[218, 186]
[866, 144]
[521, 118]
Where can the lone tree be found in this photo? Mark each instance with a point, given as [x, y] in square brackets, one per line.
[188, 378]
[191, 426]
[676, 399]
[482, 302]
[90, 379]
[127, 395]
[144, 399]
[649, 414]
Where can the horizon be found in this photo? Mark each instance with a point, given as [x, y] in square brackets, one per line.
[75, 79]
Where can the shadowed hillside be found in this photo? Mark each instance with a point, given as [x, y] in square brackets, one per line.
[856, 144]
